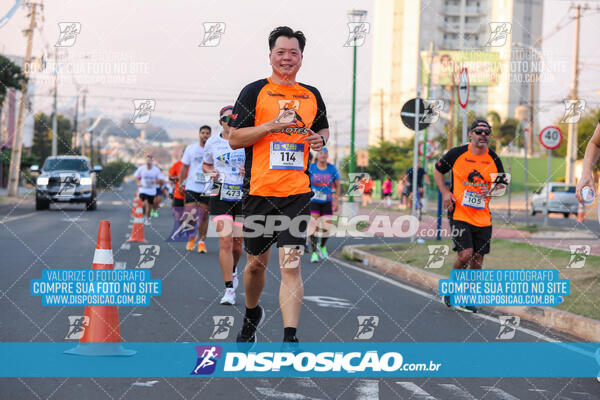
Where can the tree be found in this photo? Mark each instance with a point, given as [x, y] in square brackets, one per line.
[113, 173]
[508, 132]
[42, 136]
[495, 121]
[11, 76]
[585, 130]
[387, 158]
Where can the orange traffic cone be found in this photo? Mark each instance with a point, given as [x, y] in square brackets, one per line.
[137, 210]
[580, 213]
[102, 336]
[137, 230]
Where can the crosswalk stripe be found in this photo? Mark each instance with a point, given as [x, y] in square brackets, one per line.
[306, 382]
[500, 393]
[367, 389]
[457, 393]
[416, 391]
[276, 394]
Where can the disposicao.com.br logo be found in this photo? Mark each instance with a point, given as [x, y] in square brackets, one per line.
[323, 362]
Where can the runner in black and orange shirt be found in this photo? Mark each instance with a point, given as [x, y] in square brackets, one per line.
[467, 199]
[178, 199]
[277, 120]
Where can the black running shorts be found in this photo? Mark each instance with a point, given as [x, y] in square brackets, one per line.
[194, 197]
[224, 207]
[467, 236]
[281, 220]
[147, 198]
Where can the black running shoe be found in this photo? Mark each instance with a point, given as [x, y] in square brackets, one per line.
[248, 333]
[290, 345]
[472, 309]
[447, 300]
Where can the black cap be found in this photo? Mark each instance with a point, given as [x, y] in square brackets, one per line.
[480, 124]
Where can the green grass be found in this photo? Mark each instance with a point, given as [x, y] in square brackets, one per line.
[584, 282]
[537, 171]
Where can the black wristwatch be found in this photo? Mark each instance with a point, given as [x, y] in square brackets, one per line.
[324, 142]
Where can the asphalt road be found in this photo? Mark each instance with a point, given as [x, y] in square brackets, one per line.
[335, 294]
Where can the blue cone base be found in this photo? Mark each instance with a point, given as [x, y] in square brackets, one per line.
[100, 350]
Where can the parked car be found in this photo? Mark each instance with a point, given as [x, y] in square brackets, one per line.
[69, 179]
[561, 199]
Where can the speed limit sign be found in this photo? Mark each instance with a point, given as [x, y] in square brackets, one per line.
[431, 148]
[551, 137]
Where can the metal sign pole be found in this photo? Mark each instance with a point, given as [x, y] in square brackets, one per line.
[464, 126]
[548, 168]
[526, 183]
[415, 162]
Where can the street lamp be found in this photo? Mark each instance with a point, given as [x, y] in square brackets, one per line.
[355, 16]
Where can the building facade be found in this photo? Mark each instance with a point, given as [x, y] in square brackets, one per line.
[472, 30]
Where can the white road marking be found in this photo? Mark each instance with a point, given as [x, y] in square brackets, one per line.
[500, 393]
[367, 389]
[457, 393]
[75, 219]
[478, 315]
[416, 391]
[586, 395]
[145, 384]
[120, 264]
[276, 394]
[18, 217]
[306, 382]
[126, 246]
[264, 382]
[327, 301]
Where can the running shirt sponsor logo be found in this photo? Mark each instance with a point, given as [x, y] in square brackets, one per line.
[196, 181]
[470, 173]
[276, 164]
[321, 182]
[225, 160]
[149, 179]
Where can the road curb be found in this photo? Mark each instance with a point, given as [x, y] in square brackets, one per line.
[562, 321]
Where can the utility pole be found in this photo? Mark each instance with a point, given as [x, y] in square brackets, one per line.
[381, 114]
[572, 130]
[92, 145]
[17, 143]
[75, 131]
[450, 136]
[55, 107]
[83, 125]
[428, 96]
[531, 112]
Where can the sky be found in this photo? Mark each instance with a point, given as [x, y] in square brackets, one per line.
[141, 49]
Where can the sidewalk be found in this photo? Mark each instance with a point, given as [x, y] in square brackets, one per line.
[560, 239]
[26, 195]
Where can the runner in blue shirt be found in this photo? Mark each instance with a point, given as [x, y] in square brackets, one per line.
[325, 184]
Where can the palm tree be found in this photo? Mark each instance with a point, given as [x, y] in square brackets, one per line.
[496, 121]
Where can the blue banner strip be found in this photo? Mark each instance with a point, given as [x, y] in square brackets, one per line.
[495, 359]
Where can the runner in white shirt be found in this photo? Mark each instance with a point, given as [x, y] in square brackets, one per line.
[197, 185]
[226, 167]
[149, 179]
